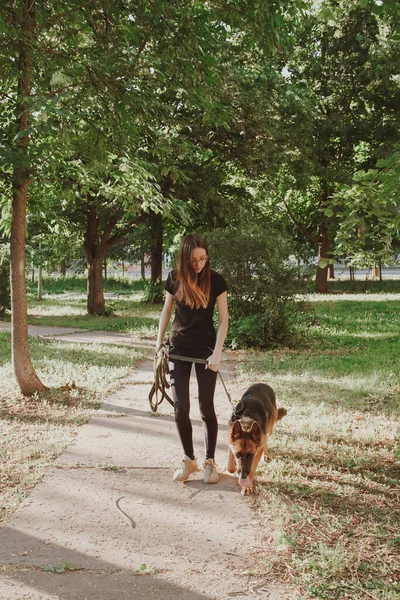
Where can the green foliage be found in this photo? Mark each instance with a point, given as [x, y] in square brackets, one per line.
[369, 217]
[343, 68]
[153, 292]
[262, 285]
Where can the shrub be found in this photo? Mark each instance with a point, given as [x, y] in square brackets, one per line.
[153, 292]
[263, 285]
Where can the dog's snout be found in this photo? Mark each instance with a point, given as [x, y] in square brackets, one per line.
[243, 470]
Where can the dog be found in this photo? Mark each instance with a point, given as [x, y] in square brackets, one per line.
[251, 424]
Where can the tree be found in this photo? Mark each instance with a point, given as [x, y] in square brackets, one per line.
[23, 16]
[342, 66]
[121, 65]
[171, 81]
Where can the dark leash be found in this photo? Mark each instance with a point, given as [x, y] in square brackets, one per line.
[161, 383]
[161, 370]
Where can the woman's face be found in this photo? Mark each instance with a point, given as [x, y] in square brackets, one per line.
[198, 259]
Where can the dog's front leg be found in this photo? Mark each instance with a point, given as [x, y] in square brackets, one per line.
[231, 462]
[257, 457]
[266, 456]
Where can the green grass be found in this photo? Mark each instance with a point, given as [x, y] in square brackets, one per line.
[59, 285]
[129, 314]
[329, 497]
[328, 500]
[35, 431]
[365, 286]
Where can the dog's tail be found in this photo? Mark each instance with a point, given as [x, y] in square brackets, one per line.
[281, 413]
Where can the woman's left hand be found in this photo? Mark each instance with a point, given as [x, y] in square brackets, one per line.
[214, 361]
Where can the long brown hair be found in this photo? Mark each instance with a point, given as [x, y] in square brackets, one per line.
[194, 289]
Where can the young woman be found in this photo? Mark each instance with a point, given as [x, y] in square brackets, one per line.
[194, 288]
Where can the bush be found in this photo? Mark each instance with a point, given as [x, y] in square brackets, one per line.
[153, 292]
[263, 309]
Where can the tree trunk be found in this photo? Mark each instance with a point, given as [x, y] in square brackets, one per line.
[96, 245]
[95, 297]
[156, 243]
[95, 252]
[331, 271]
[142, 267]
[378, 271]
[40, 283]
[156, 238]
[63, 268]
[25, 374]
[322, 272]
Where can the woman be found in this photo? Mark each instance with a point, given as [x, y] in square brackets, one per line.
[195, 289]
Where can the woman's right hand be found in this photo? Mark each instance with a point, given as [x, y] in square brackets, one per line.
[160, 348]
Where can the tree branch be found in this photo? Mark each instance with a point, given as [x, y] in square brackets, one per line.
[298, 224]
[68, 12]
[118, 236]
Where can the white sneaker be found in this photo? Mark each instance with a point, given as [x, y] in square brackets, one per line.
[187, 467]
[210, 471]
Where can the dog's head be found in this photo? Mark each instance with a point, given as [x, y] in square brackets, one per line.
[244, 444]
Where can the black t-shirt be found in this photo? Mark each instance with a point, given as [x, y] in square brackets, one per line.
[193, 327]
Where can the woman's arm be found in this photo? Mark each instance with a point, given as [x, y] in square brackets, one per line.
[165, 318]
[222, 306]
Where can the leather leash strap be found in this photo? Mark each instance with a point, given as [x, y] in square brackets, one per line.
[161, 368]
[202, 361]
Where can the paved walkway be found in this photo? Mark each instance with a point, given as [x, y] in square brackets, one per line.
[108, 506]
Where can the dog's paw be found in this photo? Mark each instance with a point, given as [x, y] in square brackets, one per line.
[246, 485]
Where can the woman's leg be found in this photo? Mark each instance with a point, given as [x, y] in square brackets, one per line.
[180, 378]
[206, 380]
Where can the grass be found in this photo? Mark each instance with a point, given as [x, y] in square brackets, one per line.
[328, 500]
[76, 283]
[331, 489]
[130, 315]
[365, 286]
[35, 431]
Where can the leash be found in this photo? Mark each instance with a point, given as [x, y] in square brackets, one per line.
[202, 361]
[161, 369]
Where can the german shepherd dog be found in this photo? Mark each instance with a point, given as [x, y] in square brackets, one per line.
[252, 423]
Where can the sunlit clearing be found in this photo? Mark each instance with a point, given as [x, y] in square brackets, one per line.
[351, 297]
[55, 310]
[350, 382]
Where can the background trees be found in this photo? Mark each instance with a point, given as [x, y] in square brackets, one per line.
[342, 66]
[126, 123]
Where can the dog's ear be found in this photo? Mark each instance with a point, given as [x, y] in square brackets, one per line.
[255, 433]
[236, 431]
[281, 413]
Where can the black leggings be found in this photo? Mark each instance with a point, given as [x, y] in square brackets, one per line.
[206, 380]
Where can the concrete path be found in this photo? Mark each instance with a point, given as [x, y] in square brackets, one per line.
[109, 508]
